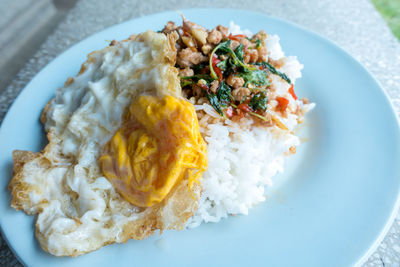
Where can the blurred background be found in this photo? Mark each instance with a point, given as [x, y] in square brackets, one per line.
[25, 25]
[390, 11]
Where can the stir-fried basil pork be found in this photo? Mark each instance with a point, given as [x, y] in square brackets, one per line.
[230, 72]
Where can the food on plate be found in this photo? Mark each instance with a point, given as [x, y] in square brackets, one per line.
[242, 87]
[160, 131]
[157, 146]
[79, 209]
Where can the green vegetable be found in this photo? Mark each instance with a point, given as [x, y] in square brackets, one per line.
[272, 69]
[221, 99]
[214, 102]
[222, 65]
[259, 101]
[205, 77]
[186, 82]
[197, 68]
[252, 113]
[257, 89]
[224, 47]
[258, 116]
[239, 52]
[258, 43]
[224, 94]
[256, 77]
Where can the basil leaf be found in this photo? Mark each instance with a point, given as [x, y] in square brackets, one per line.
[256, 77]
[259, 101]
[197, 68]
[186, 82]
[272, 69]
[222, 65]
[205, 77]
[239, 52]
[224, 94]
[214, 102]
[224, 47]
[258, 43]
[221, 99]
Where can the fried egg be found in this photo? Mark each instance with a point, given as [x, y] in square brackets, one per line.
[158, 146]
[120, 120]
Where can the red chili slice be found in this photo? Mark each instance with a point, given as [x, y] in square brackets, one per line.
[236, 37]
[215, 61]
[291, 91]
[282, 103]
[245, 107]
[218, 72]
[203, 86]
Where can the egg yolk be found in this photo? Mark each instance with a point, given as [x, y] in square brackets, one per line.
[157, 145]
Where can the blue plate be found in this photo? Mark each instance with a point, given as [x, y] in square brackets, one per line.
[340, 192]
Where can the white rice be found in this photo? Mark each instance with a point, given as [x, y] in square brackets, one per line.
[243, 159]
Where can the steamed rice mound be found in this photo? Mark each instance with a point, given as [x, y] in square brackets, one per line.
[244, 152]
[242, 163]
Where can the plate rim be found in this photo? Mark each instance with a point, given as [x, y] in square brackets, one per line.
[373, 247]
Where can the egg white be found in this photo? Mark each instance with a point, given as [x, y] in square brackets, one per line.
[78, 209]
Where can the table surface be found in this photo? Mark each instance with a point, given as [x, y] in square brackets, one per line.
[354, 25]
